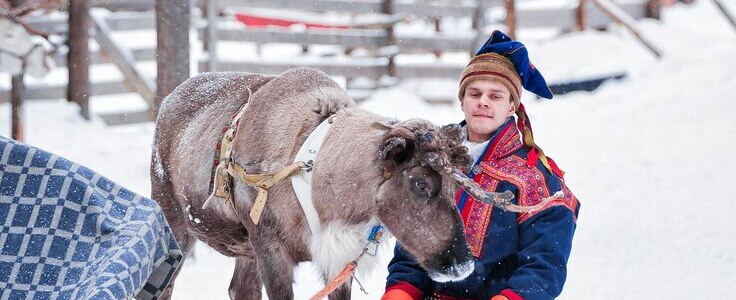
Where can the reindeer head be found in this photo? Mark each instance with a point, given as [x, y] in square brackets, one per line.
[416, 201]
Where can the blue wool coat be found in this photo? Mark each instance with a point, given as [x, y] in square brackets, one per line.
[521, 256]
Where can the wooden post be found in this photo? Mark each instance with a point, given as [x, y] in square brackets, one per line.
[16, 100]
[172, 47]
[477, 14]
[652, 9]
[387, 8]
[348, 50]
[16, 103]
[210, 35]
[581, 15]
[511, 18]
[123, 59]
[437, 28]
[478, 23]
[78, 87]
[620, 16]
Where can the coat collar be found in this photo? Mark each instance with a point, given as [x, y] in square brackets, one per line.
[505, 141]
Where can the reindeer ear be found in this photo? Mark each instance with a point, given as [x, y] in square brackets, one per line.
[454, 132]
[386, 124]
[396, 150]
[459, 157]
[458, 153]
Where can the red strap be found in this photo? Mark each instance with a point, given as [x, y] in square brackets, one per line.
[531, 159]
[525, 126]
[335, 283]
[555, 168]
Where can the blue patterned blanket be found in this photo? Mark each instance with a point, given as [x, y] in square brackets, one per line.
[69, 233]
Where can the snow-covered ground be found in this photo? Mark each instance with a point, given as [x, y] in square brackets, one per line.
[650, 158]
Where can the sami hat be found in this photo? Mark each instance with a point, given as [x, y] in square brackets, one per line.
[504, 59]
[507, 61]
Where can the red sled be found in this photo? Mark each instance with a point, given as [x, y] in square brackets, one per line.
[263, 20]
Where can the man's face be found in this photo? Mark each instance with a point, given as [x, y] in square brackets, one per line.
[487, 105]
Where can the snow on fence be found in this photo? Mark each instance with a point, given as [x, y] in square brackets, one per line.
[377, 35]
[380, 38]
[126, 15]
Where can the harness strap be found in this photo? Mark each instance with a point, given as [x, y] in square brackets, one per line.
[227, 169]
[262, 182]
[302, 182]
[221, 182]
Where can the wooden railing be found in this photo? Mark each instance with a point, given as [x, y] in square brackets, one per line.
[383, 42]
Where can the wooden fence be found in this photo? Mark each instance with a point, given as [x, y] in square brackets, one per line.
[379, 37]
[385, 42]
[107, 51]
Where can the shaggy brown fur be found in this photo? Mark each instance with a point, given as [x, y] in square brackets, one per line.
[350, 190]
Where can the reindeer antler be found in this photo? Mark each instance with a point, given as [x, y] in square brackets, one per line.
[14, 14]
[33, 5]
[500, 200]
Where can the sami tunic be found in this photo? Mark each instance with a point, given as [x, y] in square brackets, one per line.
[518, 255]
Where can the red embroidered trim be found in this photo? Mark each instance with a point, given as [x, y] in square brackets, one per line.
[508, 142]
[530, 181]
[477, 215]
[458, 195]
[466, 209]
[569, 201]
[478, 218]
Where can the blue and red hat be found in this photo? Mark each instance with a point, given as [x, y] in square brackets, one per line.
[507, 61]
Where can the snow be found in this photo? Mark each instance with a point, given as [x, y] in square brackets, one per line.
[651, 158]
[457, 272]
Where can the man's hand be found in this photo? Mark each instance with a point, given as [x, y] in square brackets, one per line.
[396, 294]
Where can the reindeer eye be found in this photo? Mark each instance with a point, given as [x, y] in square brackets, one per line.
[424, 188]
[421, 184]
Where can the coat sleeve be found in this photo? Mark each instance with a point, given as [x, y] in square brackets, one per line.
[405, 273]
[545, 241]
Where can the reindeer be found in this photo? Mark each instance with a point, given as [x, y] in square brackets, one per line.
[370, 170]
[22, 49]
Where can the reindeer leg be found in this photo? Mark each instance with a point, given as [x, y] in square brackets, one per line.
[276, 269]
[246, 283]
[343, 292]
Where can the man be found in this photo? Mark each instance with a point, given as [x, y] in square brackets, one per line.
[517, 256]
